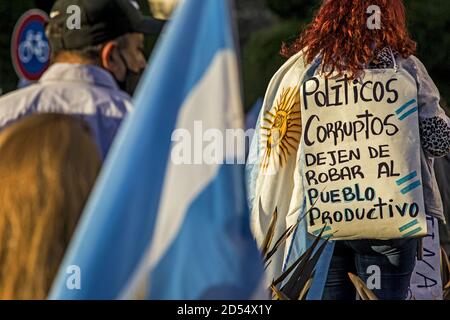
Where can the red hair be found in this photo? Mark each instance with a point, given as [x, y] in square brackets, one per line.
[339, 34]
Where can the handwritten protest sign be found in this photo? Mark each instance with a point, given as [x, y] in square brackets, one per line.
[361, 155]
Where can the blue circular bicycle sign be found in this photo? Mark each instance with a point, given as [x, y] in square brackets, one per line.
[30, 50]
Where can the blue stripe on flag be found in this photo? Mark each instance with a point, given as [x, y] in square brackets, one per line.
[408, 225]
[403, 107]
[316, 232]
[229, 257]
[407, 114]
[410, 176]
[118, 222]
[412, 232]
[411, 187]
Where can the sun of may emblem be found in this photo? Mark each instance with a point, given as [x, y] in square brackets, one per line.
[281, 129]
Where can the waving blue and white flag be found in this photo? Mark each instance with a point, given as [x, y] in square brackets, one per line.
[168, 219]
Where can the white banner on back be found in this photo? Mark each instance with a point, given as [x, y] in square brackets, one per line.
[361, 155]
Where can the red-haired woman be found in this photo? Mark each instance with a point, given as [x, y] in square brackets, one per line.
[345, 41]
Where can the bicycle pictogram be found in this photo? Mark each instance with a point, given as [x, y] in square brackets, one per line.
[34, 45]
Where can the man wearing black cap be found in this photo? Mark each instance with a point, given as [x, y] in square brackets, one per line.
[95, 66]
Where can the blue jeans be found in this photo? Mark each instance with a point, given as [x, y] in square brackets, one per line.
[394, 259]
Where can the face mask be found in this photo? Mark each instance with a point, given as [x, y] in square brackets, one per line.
[131, 80]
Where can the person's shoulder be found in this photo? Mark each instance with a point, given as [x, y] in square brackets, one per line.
[108, 101]
[413, 65]
[18, 94]
[118, 99]
[121, 96]
[417, 69]
[16, 103]
[298, 60]
[296, 65]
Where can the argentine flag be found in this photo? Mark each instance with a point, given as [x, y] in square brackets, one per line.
[154, 227]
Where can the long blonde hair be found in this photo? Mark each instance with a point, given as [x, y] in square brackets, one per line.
[48, 165]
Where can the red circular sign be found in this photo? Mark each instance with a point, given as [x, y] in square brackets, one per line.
[30, 50]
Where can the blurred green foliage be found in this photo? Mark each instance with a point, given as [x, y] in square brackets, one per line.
[299, 9]
[429, 22]
[261, 58]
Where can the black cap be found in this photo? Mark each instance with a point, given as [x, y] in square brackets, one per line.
[100, 21]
